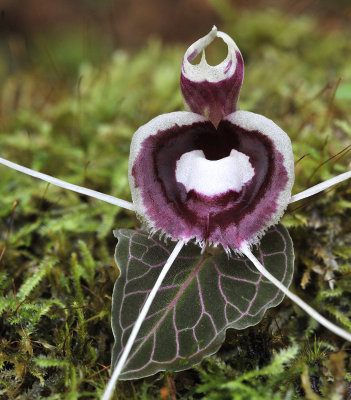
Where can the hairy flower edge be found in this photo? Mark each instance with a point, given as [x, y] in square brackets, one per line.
[228, 216]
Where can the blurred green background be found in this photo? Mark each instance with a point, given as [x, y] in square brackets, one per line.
[56, 36]
[77, 79]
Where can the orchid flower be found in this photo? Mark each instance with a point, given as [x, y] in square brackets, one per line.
[213, 175]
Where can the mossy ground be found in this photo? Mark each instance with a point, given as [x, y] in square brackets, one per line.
[56, 247]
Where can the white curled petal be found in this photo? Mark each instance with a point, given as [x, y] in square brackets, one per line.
[204, 71]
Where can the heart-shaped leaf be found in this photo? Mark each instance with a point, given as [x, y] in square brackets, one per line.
[201, 297]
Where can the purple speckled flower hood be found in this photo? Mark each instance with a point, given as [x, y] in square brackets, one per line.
[213, 174]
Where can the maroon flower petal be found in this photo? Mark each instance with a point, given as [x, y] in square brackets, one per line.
[212, 91]
[248, 152]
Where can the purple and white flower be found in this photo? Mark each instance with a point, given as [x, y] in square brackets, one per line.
[215, 174]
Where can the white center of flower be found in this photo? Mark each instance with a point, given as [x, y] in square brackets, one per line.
[213, 177]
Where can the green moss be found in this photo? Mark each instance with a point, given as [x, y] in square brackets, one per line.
[57, 269]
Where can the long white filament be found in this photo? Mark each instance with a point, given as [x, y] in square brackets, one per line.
[75, 188]
[313, 313]
[120, 364]
[129, 206]
[320, 187]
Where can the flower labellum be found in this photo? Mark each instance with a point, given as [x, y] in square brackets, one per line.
[213, 174]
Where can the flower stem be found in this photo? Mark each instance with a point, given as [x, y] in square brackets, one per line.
[120, 364]
[320, 187]
[313, 313]
[74, 188]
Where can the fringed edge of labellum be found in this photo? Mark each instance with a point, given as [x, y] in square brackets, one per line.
[220, 186]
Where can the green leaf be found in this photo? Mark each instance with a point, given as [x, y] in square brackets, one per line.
[201, 297]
